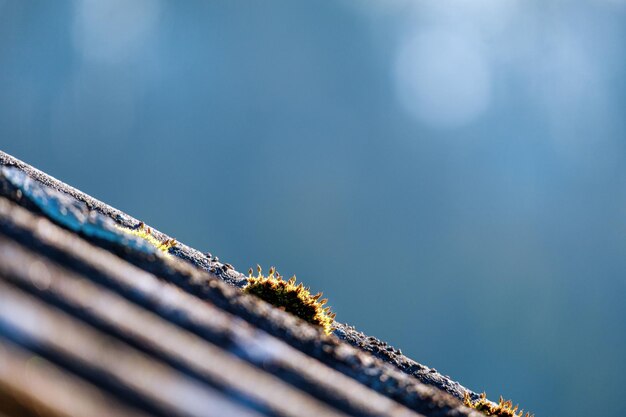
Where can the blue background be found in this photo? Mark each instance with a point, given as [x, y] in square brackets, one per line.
[452, 174]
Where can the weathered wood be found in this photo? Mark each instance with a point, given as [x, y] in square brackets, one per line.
[374, 364]
[33, 386]
[102, 360]
[376, 347]
[157, 297]
[188, 352]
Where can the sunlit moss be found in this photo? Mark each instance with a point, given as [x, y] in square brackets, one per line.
[502, 409]
[295, 299]
[144, 232]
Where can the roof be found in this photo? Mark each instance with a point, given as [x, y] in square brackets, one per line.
[94, 321]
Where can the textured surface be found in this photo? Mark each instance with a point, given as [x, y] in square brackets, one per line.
[190, 301]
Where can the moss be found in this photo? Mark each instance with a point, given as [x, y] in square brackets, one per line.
[502, 409]
[144, 232]
[295, 299]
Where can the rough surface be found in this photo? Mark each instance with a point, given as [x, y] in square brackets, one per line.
[168, 323]
[373, 363]
[201, 260]
[394, 356]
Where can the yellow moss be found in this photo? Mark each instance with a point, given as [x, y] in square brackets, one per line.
[502, 409]
[296, 299]
[145, 233]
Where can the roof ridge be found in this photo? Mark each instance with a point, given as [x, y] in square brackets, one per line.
[366, 359]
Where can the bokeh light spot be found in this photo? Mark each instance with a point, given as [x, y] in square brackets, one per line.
[442, 79]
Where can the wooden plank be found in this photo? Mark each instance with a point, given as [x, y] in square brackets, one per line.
[182, 309]
[157, 337]
[107, 362]
[32, 386]
[380, 372]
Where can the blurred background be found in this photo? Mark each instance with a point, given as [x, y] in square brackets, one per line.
[452, 174]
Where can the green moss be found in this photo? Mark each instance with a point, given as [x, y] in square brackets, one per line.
[502, 409]
[145, 233]
[295, 299]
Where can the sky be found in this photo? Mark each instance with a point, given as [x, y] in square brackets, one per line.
[451, 174]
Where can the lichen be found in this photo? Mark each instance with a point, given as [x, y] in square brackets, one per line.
[502, 409]
[295, 299]
[144, 232]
